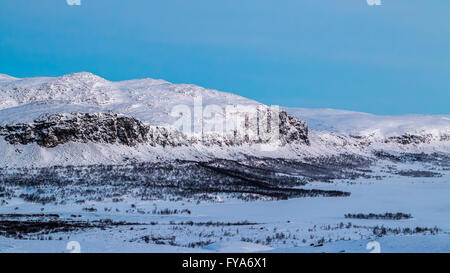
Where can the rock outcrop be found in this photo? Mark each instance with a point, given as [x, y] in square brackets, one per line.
[293, 130]
[406, 139]
[52, 130]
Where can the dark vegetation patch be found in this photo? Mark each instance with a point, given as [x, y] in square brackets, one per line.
[199, 244]
[416, 173]
[6, 192]
[168, 211]
[37, 198]
[158, 240]
[33, 226]
[384, 216]
[249, 179]
[436, 159]
[170, 240]
[381, 231]
[90, 209]
[214, 224]
[18, 215]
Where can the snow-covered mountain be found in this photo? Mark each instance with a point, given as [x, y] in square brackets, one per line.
[367, 125]
[149, 100]
[82, 118]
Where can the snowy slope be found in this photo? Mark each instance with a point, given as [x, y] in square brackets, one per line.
[152, 100]
[364, 124]
[146, 99]
[332, 132]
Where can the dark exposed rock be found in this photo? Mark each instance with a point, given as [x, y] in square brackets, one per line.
[293, 130]
[406, 139]
[53, 130]
[445, 137]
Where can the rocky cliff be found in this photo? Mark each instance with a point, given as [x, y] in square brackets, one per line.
[56, 129]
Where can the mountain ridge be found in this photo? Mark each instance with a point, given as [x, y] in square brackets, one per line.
[326, 132]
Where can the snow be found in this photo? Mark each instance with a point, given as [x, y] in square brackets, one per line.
[236, 247]
[368, 125]
[389, 244]
[151, 100]
[146, 99]
[4, 77]
[304, 220]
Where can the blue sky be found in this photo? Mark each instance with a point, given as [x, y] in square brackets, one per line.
[389, 59]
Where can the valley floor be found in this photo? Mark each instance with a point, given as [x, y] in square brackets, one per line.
[309, 224]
